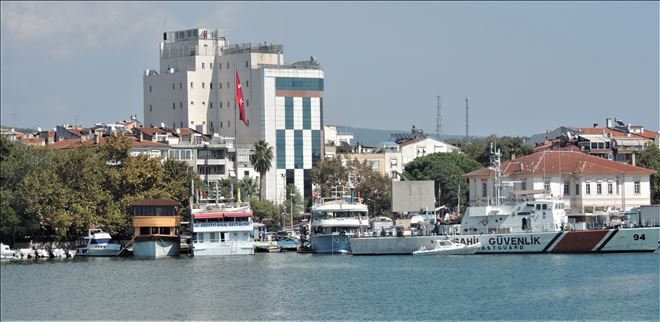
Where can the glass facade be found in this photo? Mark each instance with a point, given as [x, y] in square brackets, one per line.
[281, 149]
[297, 83]
[288, 112]
[298, 149]
[307, 113]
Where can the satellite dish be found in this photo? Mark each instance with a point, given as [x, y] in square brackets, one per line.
[162, 124]
[38, 129]
[54, 129]
[178, 131]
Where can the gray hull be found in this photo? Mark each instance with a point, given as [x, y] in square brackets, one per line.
[390, 245]
[155, 248]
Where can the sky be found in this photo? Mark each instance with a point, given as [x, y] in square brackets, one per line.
[526, 67]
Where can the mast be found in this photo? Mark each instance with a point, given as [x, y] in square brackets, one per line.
[438, 120]
[467, 122]
[495, 164]
[235, 129]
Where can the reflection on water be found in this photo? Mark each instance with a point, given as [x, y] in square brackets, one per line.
[290, 286]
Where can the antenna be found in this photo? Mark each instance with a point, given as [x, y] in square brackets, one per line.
[467, 122]
[438, 120]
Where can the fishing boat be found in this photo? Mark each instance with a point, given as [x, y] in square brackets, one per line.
[447, 247]
[222, 229]
[156, 225]
[334, 221]
[97, 243]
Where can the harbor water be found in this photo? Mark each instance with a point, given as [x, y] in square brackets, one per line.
[290, 286]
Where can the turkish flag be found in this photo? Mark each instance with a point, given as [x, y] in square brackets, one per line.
[240, 101]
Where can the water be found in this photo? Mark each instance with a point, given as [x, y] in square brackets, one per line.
[289, 286]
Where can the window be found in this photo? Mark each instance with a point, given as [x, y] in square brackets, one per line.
[144, 230]
[149, 88]
[210, 104]
[150, 108]
[484, 189]
[637, 189]
[154, 230]
[246, 64]
[211, 124]
[164, 230]
[203, 103]
[192, 103]
[524, 185]
[228, 123]
[180, 105]
[610, 189]
[546, 185]
[211, 85]
[210, 65]
[220, 124]
[220, 66]
[220, 85]
[173, 106]
[220, 104]
[172, 86]
[577, 189]
[203, 68]
[181, 124]
[588, 188]
[247, 83]
[191, 85]
[247, 102]
[203, 84]
[599, 188]
[617, 187]
[567, 187]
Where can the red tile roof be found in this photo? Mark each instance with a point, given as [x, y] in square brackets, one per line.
[151, 131]
[63, 144]
[155, 202]
[615, 134]
[571, 162]
[33, 141]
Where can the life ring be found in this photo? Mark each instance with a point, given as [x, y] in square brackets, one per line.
[484, 222]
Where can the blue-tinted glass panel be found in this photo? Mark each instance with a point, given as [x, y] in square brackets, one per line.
[307, 113]
[316, 146]
[298, 149]
[288, 112]
[299, 83]
[281, 149]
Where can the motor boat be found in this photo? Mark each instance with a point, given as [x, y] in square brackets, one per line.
[7, 253]
[447, 247]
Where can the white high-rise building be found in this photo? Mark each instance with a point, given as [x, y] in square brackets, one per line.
[195, 87]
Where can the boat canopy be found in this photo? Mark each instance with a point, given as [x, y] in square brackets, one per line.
[223, 215]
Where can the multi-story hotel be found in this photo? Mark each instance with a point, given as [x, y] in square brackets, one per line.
[195, 87]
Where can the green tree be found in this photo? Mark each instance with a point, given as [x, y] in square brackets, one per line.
[115, 149]
[328, 174]
[293, 197]
[509, 146]
[446, 170]
[249, 187]
[265, 209]
[261, 160]
[650, 158]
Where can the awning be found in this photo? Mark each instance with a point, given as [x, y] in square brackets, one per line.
[209, 215]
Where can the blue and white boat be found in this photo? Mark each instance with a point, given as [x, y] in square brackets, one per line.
[97, 243]
[334, 221]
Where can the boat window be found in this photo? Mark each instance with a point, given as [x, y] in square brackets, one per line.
[101, 241]
[538, 206]
[144, 230]
[544, 206]
[154, 230]
[164, 230]
[214, 237]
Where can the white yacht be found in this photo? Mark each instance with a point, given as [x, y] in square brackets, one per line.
[7, 253]
[222, 229]
[97, 243]
[445, 246]
[334, 222]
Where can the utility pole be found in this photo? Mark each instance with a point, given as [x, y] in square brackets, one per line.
[467, 122]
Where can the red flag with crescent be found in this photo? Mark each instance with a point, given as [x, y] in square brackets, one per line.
[240, 101]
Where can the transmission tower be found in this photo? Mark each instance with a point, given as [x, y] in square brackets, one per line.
[467, 122]
[439, 121]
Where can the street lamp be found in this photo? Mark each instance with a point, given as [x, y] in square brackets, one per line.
[291, 210]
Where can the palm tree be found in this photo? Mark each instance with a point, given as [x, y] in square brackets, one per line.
[249, 186]
[261, 159]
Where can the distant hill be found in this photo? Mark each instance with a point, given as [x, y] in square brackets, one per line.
[374, 137]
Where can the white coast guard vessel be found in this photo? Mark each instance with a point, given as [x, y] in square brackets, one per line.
[334, 221]
[535, 222]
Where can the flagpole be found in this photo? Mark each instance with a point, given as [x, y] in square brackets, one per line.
[235, 128]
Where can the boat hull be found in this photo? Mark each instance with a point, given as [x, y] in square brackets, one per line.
[390, 245]
[463, 250]
[330, 244]
[156, 247]
[584, 241]
[223, 249]
[98, 252]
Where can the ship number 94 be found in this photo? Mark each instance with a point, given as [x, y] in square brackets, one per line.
[638, 237]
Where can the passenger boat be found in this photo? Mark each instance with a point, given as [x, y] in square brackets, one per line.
[156, 225]
[334, 221]
[446, 246]
[97, 243]
[222, 229]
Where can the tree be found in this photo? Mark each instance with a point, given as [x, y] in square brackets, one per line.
[650, 158]
[249, 187]
[261, 160]
[374, 188]
[447, 170]
[509, 146]
[328, 175]
[115, 149]
[265, 209]
[293, 196]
